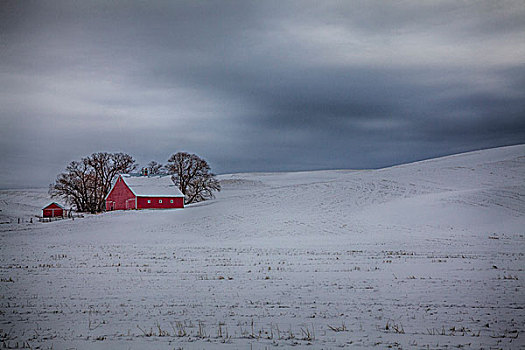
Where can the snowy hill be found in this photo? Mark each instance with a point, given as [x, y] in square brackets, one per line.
[427, 253]
[23, 203]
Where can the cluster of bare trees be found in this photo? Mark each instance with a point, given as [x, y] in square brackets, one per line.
[193, 176]
[155, 168]
[86, 183]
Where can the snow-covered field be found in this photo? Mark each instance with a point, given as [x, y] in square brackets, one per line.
[429, 254]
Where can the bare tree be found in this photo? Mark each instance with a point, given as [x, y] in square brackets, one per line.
[86, 183]
[193, 176]
[154, 167]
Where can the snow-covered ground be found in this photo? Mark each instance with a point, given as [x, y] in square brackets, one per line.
[428, 254]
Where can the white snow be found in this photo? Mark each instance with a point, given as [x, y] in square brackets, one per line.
[428, 254]
[24, 204]
[152, 186]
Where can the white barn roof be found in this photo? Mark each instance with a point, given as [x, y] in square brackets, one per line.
[152, 186]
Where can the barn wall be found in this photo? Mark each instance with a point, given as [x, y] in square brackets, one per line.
[142, 202]
[120, 197]
[51, 212]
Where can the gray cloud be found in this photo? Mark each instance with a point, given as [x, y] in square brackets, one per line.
[257, 86]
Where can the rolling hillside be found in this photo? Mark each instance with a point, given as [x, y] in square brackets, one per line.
[422, 254]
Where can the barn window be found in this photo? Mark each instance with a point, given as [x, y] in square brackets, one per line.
[171, 200]
[160, 200]
[149, 200]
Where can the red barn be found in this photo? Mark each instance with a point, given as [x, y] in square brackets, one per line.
[53, 210]
[144, 192]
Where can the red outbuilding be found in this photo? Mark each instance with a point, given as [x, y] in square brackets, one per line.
[53, 210]
[144, 192]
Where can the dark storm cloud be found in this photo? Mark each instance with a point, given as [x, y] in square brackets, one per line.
[257, 86]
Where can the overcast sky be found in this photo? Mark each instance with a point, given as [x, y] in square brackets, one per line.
[257, 86]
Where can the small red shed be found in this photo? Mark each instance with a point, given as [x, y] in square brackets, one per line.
[144, 192]
[53, 210]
